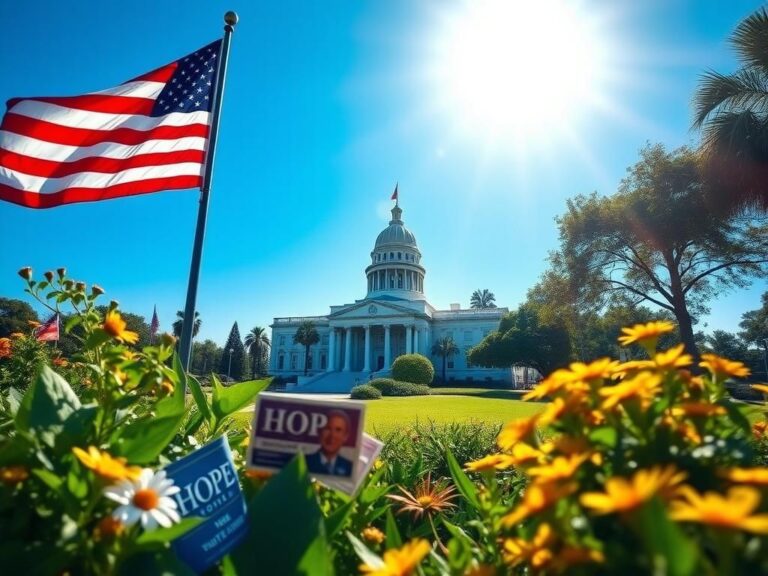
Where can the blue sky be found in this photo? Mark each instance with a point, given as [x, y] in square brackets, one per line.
[327, 106]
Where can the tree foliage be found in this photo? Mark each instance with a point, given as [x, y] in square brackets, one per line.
[445, 348]
[656, 241]
[413, 368]
[235, 344]
[257, 344]
[206, 356]
[15, 316]
[482, 299]
[178, 325]
[754, 324]
[523, 339]
[306, 335]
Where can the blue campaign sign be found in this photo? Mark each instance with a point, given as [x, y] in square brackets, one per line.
[208, 485]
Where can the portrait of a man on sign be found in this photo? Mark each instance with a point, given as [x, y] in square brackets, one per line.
[333, 436]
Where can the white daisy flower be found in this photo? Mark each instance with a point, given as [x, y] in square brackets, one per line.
[146, 499]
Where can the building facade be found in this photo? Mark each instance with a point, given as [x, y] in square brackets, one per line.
[362, 339]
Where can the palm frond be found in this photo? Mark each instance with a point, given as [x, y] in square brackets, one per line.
[750, 39]
[747, 89]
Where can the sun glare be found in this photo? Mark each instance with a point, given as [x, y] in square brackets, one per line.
[521, 70]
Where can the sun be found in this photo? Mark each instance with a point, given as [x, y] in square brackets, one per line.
[522, 70]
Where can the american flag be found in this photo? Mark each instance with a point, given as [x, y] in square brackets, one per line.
[49, 331]
[145, 135]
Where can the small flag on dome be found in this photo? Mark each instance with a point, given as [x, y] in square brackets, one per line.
[394, 194]
[49, 331]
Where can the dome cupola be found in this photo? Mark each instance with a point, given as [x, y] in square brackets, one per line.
[396, 269]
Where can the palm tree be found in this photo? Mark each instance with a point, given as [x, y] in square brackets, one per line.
[445, 347]
[482, 299]
[732, 112]
[306, 335]
[177, 326]
[256, 342]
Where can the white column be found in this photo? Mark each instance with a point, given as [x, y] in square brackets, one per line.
[367, 361]
[331, 350]
[347, 347]
[387, 348]
[408, 337]
[416, 333]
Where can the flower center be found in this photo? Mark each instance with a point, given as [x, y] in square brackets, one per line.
[424, 501]
[146, 499]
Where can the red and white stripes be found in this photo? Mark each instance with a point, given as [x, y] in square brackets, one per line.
[100, 145]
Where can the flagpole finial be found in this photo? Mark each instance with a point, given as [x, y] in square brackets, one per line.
[231, 18]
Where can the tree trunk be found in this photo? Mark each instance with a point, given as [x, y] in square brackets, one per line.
[445, 361]
[680, 311]
[306, 359]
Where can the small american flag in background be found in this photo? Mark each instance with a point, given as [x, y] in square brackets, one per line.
[154, 325]
[146, 135]
[49, 331]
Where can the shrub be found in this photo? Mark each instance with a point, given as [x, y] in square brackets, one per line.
[365, 392]
[413, 368]
[390, 387]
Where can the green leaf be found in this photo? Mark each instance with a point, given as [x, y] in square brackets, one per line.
[672, 552]
[164, 535]
[96, 338]
[737, 416]
[605, 435]
[364, 553]
[47, 404]
[142, 441]
[200, 399]
[175, 403]
[463, 484]
[50, 479]
[287, 531]
[72, 321]
[335, 522]
[226, 401]
[394, 540]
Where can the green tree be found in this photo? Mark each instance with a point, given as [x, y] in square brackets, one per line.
[445, 347]
[523, 340]
[306, 335]
[657, 241]
[257, 344]
[732, 112]
[754, 324]
[179, 324]
[15, 316]
[206, 355]
[233, 356]
[482, 299]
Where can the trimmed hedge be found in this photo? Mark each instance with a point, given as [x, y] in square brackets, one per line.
[413, 368]
[365, 392]
[390, 387]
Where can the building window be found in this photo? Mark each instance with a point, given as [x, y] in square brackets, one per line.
[323, 362]
[293, 361]
[281, 362]
[392, 281]
[385, 256]
[450, 363]
[399, 280]
[399, 255]
[282, 340]
[391, 255]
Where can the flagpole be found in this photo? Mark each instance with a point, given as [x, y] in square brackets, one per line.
[185, 346]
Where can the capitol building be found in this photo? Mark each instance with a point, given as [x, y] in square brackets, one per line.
[360, 340]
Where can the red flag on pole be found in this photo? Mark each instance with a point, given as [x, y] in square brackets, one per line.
[145, 135]
[394, 194]
[154, 325]
[49, 331]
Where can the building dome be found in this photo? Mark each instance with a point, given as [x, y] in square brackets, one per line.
[396, 232]
[396, 270]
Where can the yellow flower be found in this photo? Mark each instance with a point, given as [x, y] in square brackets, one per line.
[549, 385]
[622, 370]
[537, 497]
[732, 511]
[523, 453]
[106, 466]
[108, 529]
[694, 409]
[723, 367]
[491, 462]
[673, 358]
[5, 347]
[258, 475]
[645, 334]
[400, 561]
[625, 495]
[552, 412]
[561, 468]
[12, 475]
[16, 335]
[114, 325]
[596, 370]
[373, 535]
[569, 556]
[643, 386]
[747, 475]
[536, 552]
[515, 431]
[760, 388]
[760, 429]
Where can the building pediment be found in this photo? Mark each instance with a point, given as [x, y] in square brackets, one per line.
[371, 309]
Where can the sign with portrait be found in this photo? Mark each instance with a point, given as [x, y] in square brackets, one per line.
[328, 433]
